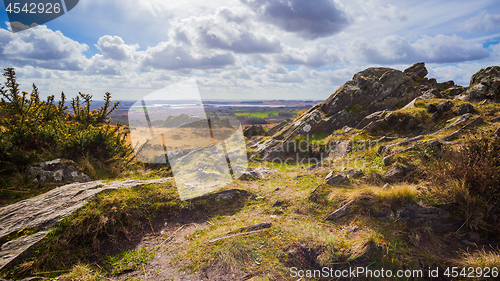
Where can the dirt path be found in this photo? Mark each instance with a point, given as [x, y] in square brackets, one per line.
[171, 240]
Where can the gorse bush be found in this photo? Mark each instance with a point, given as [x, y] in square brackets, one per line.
[34, 130]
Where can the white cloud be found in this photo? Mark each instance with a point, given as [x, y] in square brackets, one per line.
[438, 49]
[482, 22]
[175, 57]
[113, 47]
[42, 47]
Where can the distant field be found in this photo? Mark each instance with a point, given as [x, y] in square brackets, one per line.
[264, 114]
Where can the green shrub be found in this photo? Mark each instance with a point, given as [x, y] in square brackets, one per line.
[34, 130]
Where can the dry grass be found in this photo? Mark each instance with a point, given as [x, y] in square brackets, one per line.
[82, 272]
[482, 258]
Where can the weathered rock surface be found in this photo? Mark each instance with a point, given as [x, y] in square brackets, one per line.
[333, 179]
[58, 170]
[44, 211]
[394, 174]
[439, 220]
[485, 84]
[464, 108]
[256, 173]
[340, 212]
[278, 127]
[12, 251]
[254, 130]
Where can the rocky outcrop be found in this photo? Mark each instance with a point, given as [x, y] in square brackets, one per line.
[46, 210]
[370, 91]
[58, 170]
[485, 84]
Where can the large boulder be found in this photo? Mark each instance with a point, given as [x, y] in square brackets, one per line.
[485, 84]
[58, 170]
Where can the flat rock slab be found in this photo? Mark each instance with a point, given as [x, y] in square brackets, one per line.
[14, 249]
[47, 209]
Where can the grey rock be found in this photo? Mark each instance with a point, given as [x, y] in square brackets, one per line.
[256, 173]
[431, 108]
[485, 84]
[58, 170]
[394, 174]
[333, 179]
[273, 130]
[373, 125]
[370, 118]
[452, 136]
[460, 120]
[455, 91]
[340, 212]
[439, 220]
[444, 106]
[477, 92]
[406, 141]
[352, 229]
[278, 203]
[47, 209]
[385, 212]
[496, 119]
[339, 148]
[410, 125]
[355, 174]
[12, 251]
[417, 71]
[224, 195]
[254, 130]
[476, 122]
[464, 108]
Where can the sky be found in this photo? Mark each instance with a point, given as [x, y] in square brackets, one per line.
[247, 49]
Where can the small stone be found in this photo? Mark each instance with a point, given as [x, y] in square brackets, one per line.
[278, 203]
[352, 229]
[410, 124]
[464, 108]
[394, 174]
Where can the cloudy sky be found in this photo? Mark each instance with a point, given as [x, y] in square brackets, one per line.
[248, 49]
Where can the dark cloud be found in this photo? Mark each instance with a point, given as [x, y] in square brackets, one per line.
[170, 57]
[308, 19]
[246, 43]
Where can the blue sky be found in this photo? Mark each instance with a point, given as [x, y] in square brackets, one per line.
[248, 49]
